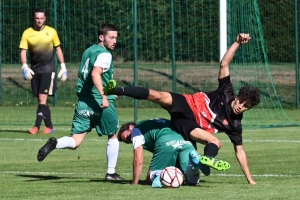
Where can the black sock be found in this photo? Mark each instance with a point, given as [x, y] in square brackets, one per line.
[211, 150]
[47, 116]
[133, 91]
[39, 116]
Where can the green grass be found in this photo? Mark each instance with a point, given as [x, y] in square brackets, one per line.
[22, 118]
[273, 156]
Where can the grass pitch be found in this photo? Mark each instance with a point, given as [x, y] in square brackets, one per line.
[273, 156]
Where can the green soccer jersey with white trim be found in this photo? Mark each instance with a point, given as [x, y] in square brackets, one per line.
[153, 131]
[85, 85]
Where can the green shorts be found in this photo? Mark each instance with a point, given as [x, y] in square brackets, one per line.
[171, 153]
[89, 115]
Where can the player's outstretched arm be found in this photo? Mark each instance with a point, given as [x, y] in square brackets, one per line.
[138, 159]
[242, 158]
[227, 58]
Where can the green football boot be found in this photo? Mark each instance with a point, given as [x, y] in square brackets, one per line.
[215, 163]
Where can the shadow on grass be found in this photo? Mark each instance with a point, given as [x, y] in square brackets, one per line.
[112, 181]
[39, 177]
[19, 131]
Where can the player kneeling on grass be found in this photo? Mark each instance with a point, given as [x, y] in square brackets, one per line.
[168, 148]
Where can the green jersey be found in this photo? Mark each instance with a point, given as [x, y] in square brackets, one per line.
[85, 85]
[168, 147]
[149, 132]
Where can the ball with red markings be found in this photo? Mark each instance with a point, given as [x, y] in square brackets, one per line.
[171, 177]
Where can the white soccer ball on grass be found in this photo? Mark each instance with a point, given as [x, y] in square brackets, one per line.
[171, 177]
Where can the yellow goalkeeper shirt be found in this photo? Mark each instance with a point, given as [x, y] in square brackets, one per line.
[41, 47]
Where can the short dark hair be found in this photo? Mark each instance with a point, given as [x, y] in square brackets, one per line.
[124, 127]
[105, 28]
[249, 95]
[39, 10]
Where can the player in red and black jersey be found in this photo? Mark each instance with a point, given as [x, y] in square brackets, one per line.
[197, 116]
[41, 41]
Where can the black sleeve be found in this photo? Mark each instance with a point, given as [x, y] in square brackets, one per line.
[236, 138]
[224, 81]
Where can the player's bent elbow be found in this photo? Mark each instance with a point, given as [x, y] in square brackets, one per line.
[223, 63]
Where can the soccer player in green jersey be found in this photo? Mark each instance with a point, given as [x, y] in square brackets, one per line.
[168, 148]
[94, 109]
[41, 41]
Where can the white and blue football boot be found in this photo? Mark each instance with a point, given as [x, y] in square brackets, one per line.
[155, 178]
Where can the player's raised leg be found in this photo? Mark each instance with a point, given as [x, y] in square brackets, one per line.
[161, 98]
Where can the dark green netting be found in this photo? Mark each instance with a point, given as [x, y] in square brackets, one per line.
[267, 62]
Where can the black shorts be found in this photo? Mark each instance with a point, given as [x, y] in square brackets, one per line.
[182, 117]
[43, 84]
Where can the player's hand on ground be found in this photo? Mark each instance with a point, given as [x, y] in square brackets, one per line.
[63, 73]
[243, 38]
[252, 182]
[27, 72]
[105, 102]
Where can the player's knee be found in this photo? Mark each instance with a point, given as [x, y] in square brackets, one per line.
[155, 95]
[204, 137]
[216, 141]
[78, 142]
[162, 98]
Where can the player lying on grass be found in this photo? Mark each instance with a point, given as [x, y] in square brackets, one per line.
[168, 148]
[197, 116]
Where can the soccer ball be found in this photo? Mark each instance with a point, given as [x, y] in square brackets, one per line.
[171, 177]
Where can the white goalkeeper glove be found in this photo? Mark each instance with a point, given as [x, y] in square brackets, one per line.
[27, 72]
[63, 73]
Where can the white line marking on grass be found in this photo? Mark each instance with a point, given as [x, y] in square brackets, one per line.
[30, 139]
[280, 141]
[105, 140]
[257, 175]
[129, 173]
[273, 129]
[280, 129]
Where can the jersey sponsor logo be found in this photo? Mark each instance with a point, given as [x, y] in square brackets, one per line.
[177, 144]
[88, 113]
[225, 122]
